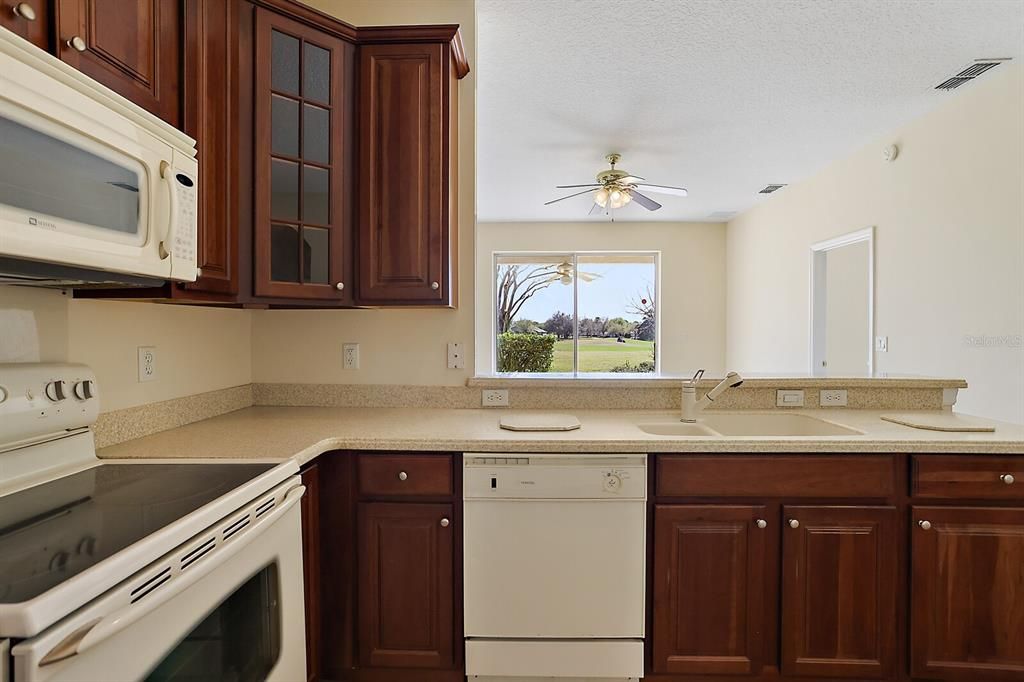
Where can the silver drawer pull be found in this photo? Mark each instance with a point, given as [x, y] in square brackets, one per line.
[402, 476]
[793, 523]
[1008, 479]
[25, 11]
[435, 286]
[76, 43]
[340, 286]
[761, 523]
[445, 523]
[925, 525]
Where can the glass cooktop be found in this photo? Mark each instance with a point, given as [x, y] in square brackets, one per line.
[56, 530]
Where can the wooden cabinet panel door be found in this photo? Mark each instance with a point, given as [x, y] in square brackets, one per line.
[211, 115]
[967, 610]
[404, 174]
[709, 589]
[839, 577]
[29, 19]
[311, 567]
[303, 149]
[406, 592]
[131, 46]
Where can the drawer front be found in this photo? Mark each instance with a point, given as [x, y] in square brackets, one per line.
[801, 476]
[413, 475]
[969, 477]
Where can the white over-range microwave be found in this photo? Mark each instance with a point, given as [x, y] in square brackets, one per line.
[94, 190]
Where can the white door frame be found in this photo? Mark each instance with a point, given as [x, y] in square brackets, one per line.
[819, 299]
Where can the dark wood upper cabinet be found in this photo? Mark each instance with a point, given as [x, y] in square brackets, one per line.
[406, 590]
[131, 46]
[407, 176]
[302, 213]
[708, 590]
[29, 19]
[211, 115]
[839, 580]
[967, 611]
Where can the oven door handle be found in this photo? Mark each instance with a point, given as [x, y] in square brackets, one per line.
[91, 634]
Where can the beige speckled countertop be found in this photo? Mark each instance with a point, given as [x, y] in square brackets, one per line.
[305, 432]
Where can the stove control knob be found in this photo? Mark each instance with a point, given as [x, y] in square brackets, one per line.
[612, 483]
[84, 390]
[3, 394]
[55, 391]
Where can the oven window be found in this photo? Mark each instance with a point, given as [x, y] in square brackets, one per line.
[48, 178]
[240, 640]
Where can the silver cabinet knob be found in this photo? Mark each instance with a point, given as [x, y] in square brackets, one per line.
[1008, 479]
[793, 523]
[435, 286]
[445, 523]
[25, 11]
[925, 525]
[339, 286]
[76, 43]
[761, 523]
[402, 476]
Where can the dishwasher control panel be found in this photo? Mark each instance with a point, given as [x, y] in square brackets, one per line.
[552, 477]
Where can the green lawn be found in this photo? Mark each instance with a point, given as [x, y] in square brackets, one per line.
[600, 355]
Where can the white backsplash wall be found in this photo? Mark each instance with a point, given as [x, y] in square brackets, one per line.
[197, 349]
[949, 239]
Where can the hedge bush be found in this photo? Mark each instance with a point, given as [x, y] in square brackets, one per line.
[629, 368]
[525, 352]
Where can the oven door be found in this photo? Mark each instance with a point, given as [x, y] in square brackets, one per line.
[227, 605]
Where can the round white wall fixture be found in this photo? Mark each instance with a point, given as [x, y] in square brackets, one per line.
[890, 153]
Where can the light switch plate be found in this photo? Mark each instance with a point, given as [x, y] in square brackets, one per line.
[456, 356]
[789, 398]
[350, 356]
[147, 363]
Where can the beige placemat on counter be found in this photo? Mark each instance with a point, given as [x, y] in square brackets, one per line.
[944, 421]
[539, 422]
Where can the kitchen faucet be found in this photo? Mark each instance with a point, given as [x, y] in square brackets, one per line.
[692, 407]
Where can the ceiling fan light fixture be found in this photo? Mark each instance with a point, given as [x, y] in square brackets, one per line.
[601, 197]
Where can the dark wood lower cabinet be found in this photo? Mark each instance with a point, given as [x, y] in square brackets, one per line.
[709, 589]
[311, 567]
[839, 579]
[405, 574]
[967, 611]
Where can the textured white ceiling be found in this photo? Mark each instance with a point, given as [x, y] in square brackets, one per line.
[719, 96]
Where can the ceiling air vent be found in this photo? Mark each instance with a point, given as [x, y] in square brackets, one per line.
[979, 67]
[771, 188]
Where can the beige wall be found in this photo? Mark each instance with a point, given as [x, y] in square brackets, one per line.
[396, 346]
[198, 349]
[692, 280]
[949, 220]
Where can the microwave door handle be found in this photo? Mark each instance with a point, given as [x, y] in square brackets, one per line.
[167, 173]
[100, 629]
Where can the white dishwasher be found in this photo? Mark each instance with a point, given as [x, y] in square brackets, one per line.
[554, 566]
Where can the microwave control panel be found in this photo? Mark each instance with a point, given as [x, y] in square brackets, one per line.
[184, 244]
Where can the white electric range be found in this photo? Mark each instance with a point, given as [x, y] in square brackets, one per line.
[119, 570]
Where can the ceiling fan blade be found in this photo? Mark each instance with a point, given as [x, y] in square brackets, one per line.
[592, 184]
[589, 276]
[554, 201]
[630, 179]
[647, 202]
[662, 189]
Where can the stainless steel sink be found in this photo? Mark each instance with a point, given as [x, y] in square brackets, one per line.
[755, 424]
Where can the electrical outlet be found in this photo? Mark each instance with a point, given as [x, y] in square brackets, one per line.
[456, 356]
[147, 363]
[495, 398]
[350, 355]
[882, 344]
[833, 398]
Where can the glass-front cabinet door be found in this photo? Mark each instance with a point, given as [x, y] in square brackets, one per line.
[303, 183]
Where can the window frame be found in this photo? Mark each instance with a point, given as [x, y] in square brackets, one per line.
[574, 257]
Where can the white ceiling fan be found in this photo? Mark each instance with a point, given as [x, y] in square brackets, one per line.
[563, 273]
[616, 188]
